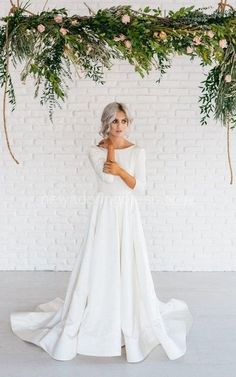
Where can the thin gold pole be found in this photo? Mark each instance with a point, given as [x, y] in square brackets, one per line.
[228, 150]
[222, 5]
[45, 4]
[5, 93]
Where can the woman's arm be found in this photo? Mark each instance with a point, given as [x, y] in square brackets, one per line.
[140, 172]
[136, 182]
[127, 178]
[110, 153]
[113, 168]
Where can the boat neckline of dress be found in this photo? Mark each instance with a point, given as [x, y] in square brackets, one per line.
[118, 149]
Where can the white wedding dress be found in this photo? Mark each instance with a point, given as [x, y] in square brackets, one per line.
[110, 299]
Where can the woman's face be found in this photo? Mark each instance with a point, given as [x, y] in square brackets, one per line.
[119, 125]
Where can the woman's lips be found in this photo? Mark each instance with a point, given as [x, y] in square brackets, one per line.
[118, 131]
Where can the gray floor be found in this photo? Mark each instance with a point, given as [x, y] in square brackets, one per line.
[211, 342]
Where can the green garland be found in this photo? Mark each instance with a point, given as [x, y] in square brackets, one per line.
[48, 42]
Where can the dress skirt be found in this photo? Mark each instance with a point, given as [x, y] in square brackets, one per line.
[110, 299]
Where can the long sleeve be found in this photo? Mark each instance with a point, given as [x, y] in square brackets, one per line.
[140, 172]
[97, 159]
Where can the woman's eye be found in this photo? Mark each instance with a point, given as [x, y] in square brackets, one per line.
[116, 121]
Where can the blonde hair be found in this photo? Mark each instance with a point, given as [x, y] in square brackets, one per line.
[109, 114]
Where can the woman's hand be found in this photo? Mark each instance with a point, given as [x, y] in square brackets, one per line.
[111, 167]
[106, 143]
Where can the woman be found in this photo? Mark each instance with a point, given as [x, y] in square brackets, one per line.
[110, 300]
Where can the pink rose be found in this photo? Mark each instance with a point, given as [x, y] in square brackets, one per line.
[228, 78]
[127, 43]
[122, 37]
[210, 34]
[125, 19]
[116, 39]
[58, 19]
[189, 50]
[74, 22]
[162, 35]
[63, 31]
[41, 28]
[197, 40]
[223, 43]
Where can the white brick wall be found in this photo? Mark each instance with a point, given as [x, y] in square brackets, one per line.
[190, 210]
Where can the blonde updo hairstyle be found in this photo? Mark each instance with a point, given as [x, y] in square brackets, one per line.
[109, 114]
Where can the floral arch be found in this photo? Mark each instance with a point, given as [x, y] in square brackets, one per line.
[49, 42]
